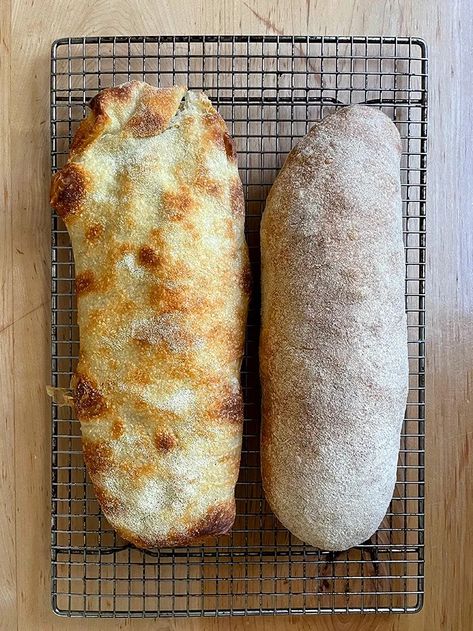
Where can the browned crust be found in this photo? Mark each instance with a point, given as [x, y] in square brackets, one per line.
[88, 400]
[166, 299]
[237, 202]
[217, 521]
[267, 409]
[98, 120]
[216, 133]
[84, 282]
[246, 280]
[156, 108]
[112, 506]
[89, 130]
[180, 203]
[98, 456]
[94, 232]
[231, 408]
[118, 429]
[207, 185]
[148, 257]
[140, 111]
[68, 189]
[229, 146]
[146, 123]
[139, 375]
[164, 441]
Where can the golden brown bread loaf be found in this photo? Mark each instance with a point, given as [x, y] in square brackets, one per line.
[153, 203]
[333, 349]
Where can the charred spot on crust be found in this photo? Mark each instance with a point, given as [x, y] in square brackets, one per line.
[237, 203]
[231, 409]
[164, 441]
[94, 232]
[98, 456]
[84, 282]
[89, 402]
[68, 189]
[148, 257]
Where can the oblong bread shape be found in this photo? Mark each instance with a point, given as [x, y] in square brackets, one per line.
[153, 203]
[333, 348]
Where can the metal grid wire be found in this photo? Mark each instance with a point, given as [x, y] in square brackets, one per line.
[270, 90]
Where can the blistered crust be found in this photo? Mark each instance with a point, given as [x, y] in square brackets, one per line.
[153, 203]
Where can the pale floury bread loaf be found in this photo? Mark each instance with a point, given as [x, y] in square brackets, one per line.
[333, 349]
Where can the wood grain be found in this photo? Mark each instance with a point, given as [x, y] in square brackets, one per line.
[24, 281]
[8, 584]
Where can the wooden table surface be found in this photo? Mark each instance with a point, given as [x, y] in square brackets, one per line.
[27, 28]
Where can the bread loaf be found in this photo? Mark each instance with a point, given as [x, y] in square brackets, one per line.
[333, 348]
[153, 204]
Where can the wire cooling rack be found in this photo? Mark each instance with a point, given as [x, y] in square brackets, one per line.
[270, 90]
